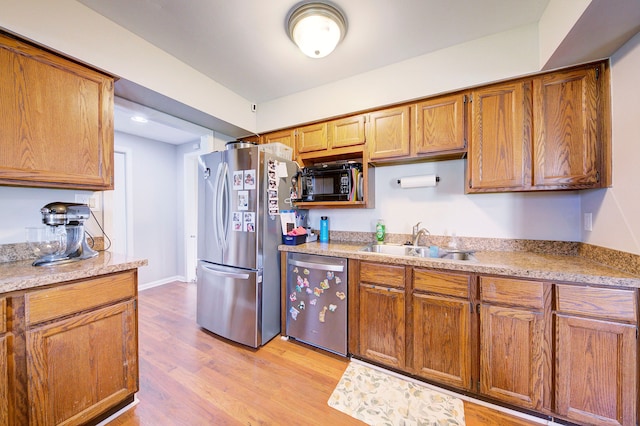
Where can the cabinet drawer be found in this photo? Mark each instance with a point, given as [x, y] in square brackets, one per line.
[3, 315]
[45, 305]
[606, 303]
[445, 283]
[388, 275]
[513, 292]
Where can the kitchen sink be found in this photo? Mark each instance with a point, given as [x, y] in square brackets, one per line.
[417, 251]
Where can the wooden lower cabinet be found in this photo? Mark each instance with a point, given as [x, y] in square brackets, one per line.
[4, 366]
[515, 341]
[567, 351]
[75, 352]
[81, 366]
[442, 340]
[381, 321]
[596, 355]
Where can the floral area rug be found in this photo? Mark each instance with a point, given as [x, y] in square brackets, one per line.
[379, 398]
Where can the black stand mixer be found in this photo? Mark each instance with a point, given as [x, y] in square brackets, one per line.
[74, 247]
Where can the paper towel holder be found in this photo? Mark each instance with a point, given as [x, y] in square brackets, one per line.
[419, 181]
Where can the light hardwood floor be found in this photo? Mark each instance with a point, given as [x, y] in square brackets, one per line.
[191, 377]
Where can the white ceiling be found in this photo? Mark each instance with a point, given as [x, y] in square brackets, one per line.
[243, 45]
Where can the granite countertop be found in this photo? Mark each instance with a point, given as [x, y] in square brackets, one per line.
[528, 265]
[21, 275]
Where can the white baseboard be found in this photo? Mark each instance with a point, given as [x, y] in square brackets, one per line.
[118, 413]
[163, 281]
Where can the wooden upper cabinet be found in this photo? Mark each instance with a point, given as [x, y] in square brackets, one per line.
[389, 133]
[567, 137]
[548, 132]
[285, 137]
[440, 125]
[56, 120]
[499, 136]
[347, 131]
[312, 138]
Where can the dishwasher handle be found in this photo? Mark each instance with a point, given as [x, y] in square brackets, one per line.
[320, 266]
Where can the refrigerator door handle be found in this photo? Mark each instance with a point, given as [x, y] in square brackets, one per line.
[320, 266]
[221, 204]
[234, 275]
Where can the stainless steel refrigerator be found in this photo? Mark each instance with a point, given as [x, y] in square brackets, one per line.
[241, 192]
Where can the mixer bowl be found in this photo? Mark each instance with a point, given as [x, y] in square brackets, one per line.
[47, 240]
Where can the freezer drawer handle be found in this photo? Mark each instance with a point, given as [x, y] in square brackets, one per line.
[227, 274]
[321, 266]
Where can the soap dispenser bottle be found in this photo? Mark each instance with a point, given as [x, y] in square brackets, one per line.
[380, 231]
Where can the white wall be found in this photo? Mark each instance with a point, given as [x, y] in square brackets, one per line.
[616, 211]
[497, 57]
[20, 208]
[69, 27]
[155, 194]
[445, 209]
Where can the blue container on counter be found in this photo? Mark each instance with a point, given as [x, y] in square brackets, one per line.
[324, 229]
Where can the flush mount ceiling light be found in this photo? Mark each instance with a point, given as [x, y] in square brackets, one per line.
[316, 28]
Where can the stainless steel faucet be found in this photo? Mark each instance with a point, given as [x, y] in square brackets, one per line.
[417, 232]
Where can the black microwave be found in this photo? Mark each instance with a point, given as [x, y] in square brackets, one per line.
[330, 182]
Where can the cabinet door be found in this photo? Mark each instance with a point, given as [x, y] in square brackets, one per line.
[512, 355]
[347, 131]
[4, 380]
[382, 324]
[442, 340]
[81, 366]
[388, 134]
[499, 143]
[285, 137]
[596, 370]
[567, 147]
[56, 121]
[312, 138]
[440, 125]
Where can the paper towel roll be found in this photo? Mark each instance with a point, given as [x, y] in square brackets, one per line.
[418, 181]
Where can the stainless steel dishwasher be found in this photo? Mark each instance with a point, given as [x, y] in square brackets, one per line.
[317, 301]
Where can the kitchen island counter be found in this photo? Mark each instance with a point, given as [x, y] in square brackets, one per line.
[521, 264]
[21, 275]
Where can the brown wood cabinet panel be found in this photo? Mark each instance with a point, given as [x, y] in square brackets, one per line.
[382, 325]
[347, 131]
[3, 314]
[4, 380]
[440, 125]
[446, 283]
[596, 371]
[566, 134]
[56, 120]
[55, 302]
[500, 138]
[382, 274]
[312, 138]
[604, 303]
[510, 291]
[389, 133]
[83, 365]
[442, 348]
[285, 137]
[512, 355]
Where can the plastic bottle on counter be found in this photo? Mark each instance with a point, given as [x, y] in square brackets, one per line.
[380, 231]
[324, 229]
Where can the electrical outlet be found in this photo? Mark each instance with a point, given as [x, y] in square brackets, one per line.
[588, 222]
[90, 200]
